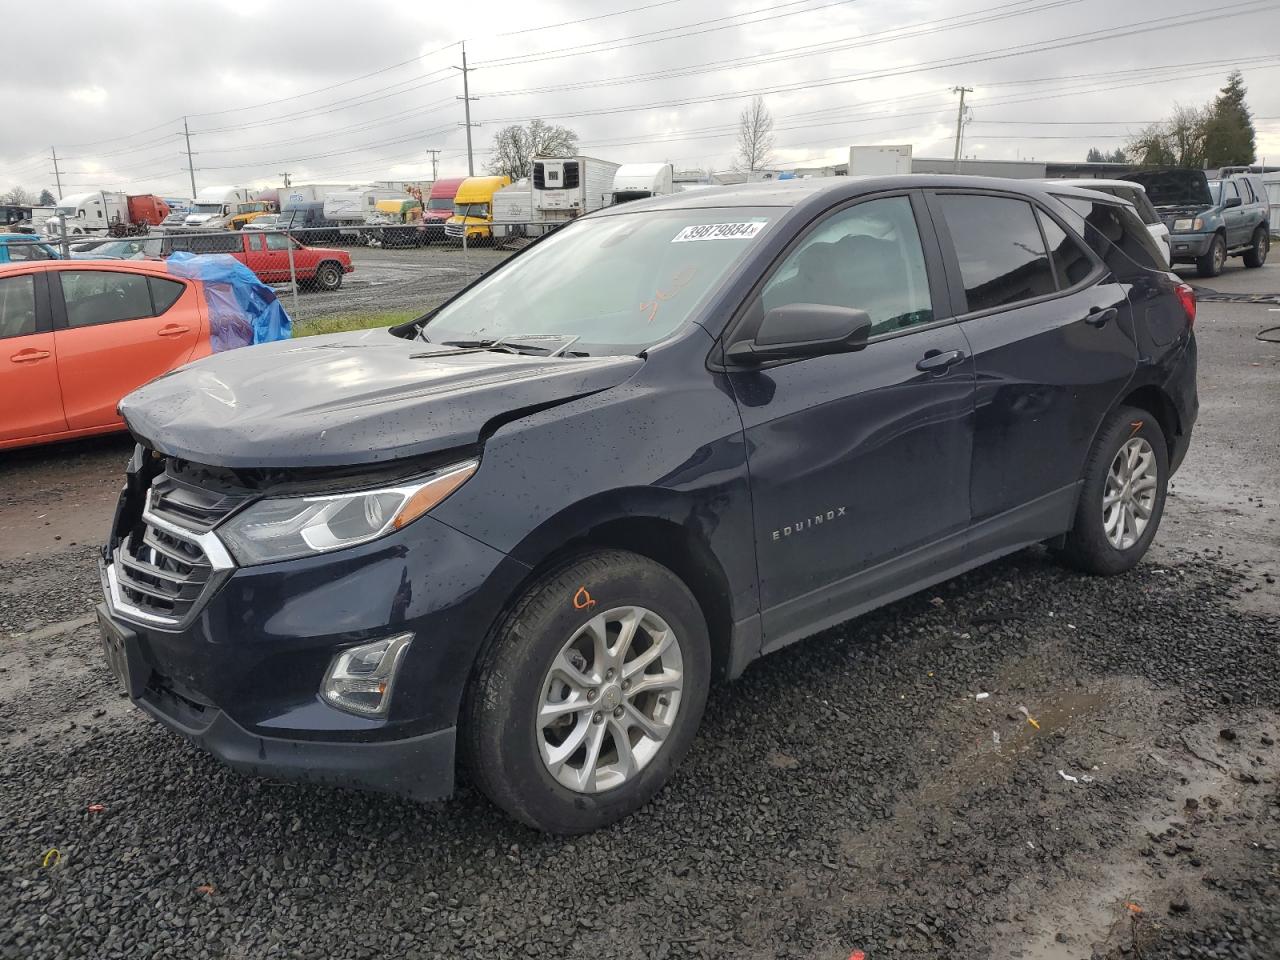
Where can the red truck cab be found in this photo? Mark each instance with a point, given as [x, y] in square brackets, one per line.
[146, 208]
[439, 207]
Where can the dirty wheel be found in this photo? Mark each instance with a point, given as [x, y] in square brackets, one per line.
[590, 693]
[1256, 255]
[1211, 264]
[328, 276]
[1123, 495]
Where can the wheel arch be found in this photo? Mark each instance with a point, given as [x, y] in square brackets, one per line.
[1155, 401]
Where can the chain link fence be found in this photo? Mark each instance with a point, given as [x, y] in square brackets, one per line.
[328, 276]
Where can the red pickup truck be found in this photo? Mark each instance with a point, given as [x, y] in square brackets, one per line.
[267, 255]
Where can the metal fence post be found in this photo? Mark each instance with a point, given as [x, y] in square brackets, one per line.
[65, 244]
[293, 272]
[466, 267]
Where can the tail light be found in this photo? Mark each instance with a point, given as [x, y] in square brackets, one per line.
[1187, 297]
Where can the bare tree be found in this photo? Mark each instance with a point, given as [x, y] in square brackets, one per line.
[18, 197]
[1180, 141]
[755, 137]
[515, 147]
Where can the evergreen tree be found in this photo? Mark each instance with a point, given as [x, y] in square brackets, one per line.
[1229, 135]
[47, 199]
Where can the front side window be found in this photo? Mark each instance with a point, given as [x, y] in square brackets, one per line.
[998, 245]
[618, 283]
[20, 251]
[17, 306]
[867, 257]
[1229, 191]
[104, 296]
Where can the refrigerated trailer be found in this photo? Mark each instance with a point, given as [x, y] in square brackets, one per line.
[567, 187]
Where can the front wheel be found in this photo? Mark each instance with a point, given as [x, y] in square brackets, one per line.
[1122, 498]
[328, 276]
[590, 693]
[1210, 265]
[1256, 255]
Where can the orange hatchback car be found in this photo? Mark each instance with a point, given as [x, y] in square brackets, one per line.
[77, 335]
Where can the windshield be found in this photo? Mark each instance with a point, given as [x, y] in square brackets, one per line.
[440, 203]
[620, 283]
[471, 210]
[129, 249]
[64, 211]
[206, 208]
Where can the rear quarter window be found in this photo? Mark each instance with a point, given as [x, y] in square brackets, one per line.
[1110, 229]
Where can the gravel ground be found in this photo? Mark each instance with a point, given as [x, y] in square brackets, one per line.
[849, 793]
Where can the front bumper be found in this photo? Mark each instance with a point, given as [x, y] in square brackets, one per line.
[242, 679]
[1189, 246]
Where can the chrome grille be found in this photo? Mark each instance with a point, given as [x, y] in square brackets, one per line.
[161, 572]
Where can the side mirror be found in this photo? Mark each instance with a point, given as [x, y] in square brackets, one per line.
[1231, 202]
[803, 330]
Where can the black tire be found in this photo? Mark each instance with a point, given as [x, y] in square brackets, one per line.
[328, 276]
[1087, 547]
[1256, 255]
[499, 738]
[1210, 265]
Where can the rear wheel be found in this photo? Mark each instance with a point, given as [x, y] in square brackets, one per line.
[328, 276]
[1256, 255]
[1210, 265]
[1122, 498]
[590, 694]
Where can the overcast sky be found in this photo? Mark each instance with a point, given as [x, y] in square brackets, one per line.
[341, 92]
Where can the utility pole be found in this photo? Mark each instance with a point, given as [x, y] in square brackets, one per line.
[186, 132]
[285, 174]
[435, 164]
[56, 175]
[959, 123]
[466, 99]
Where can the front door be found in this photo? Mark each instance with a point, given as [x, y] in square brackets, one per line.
[30, 401]
[858, 461]
[1053, 347]
[114, 331]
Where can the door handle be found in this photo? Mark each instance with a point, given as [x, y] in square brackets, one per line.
[1097, 317]
[172, 330]
[936, 361]
[29, 356]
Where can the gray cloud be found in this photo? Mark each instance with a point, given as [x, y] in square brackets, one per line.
[108, 84]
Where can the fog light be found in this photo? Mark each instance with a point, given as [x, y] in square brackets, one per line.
[359, 679]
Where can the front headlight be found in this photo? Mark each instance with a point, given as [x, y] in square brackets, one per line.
[1189, 224]
[284, 528]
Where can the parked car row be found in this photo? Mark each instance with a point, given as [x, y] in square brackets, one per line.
[266, 254]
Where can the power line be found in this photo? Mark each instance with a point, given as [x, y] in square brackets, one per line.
[599, 16]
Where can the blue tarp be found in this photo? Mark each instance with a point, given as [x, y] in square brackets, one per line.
[242, 309]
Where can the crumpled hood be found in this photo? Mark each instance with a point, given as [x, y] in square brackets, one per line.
[1183, 188]
[349, 398]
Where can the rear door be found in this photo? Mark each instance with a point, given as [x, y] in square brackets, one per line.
[1053, 346]
[115, 330]
[30, 400]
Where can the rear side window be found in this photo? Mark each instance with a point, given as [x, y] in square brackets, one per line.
[1002, 255]
[103, 296]
[1109, 227]
[17, 306]
[1070, 262]
[164, 293]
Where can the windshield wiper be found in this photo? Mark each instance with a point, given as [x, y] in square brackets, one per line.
[515, 342]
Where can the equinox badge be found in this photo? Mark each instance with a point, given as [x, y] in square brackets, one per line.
[808, 523]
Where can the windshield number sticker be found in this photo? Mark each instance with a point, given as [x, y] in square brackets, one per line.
[719, 231]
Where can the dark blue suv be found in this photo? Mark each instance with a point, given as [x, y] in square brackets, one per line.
[527, 531]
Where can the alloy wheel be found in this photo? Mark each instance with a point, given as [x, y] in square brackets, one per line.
[609, 700]
[1129, 495]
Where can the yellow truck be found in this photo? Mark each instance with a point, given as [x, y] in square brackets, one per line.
[243, 213]
[473, 209]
